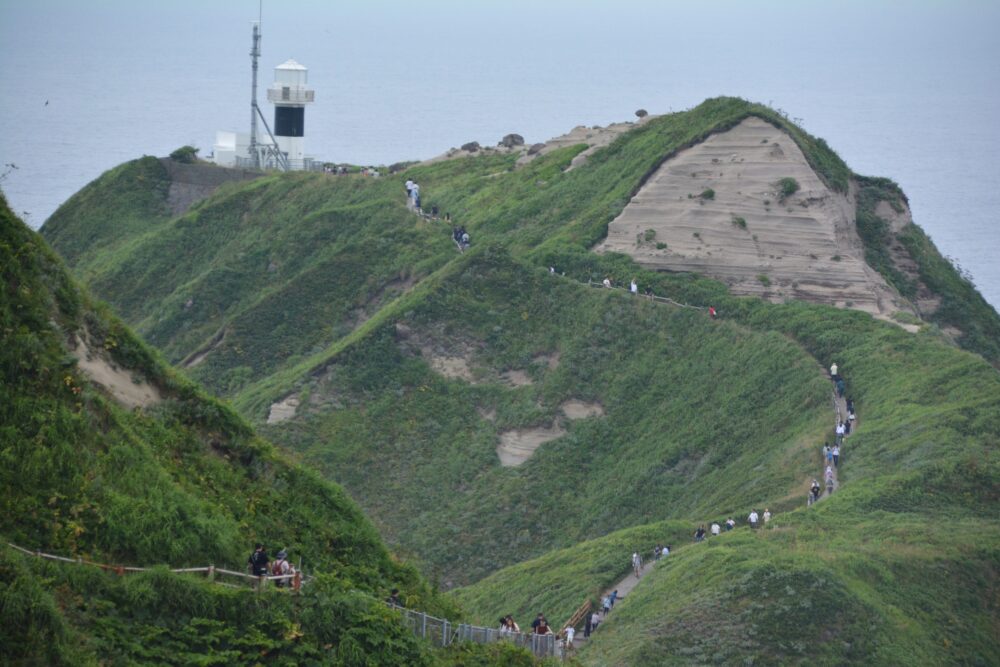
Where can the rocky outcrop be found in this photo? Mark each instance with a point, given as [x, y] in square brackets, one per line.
[190, 183]
[511, 141]
[747, 233]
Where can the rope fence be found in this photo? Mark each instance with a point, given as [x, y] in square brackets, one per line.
[211, 572]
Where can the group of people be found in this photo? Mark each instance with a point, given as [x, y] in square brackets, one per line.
[754, 520]
[260, 565]
[461, 237]
[633, 289]
[412, 195]
[832, 454]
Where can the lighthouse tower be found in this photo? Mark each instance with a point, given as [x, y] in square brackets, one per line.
[290, 94]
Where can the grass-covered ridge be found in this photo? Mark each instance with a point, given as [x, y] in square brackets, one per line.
[182, 483]
[327, 291]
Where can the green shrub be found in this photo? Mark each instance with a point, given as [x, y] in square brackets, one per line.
[739, 221]
[185, 154]
[788, 186]
[707, 193]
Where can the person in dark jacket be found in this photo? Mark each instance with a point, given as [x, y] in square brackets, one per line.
[258, 560]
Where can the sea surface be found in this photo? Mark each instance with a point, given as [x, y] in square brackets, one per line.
[908, 90]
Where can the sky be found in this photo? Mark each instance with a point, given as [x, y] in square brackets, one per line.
[906, 89]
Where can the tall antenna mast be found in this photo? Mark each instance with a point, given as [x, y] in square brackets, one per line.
[254, 55]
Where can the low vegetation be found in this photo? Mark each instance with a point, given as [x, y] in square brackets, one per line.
[408, 361]
[182, 483]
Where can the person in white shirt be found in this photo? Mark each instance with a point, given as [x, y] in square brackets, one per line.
[840, 432]
[666, 551]
[570, 633]
[634, 288]
[716, 529]
[607, 282]
[753, 518]
[767, 515]
[833, 370]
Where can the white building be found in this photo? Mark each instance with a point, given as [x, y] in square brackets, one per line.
[290, 94]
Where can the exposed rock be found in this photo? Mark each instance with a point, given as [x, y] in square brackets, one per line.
[811, 253]
[511, 140]
[283, 410]
[471, 147]
[641, 113]
[535, 149]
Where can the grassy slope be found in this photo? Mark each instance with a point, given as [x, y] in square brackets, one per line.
[122, 204]
[184, 483]
[549, 217]
[900, 567]
[397, 434]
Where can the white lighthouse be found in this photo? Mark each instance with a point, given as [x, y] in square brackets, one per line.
[290, 94]
[284, 148]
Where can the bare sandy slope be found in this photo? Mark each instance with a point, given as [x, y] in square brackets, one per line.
[805, 247]
[128, 389]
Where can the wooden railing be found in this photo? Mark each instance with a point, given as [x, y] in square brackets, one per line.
[212, 572]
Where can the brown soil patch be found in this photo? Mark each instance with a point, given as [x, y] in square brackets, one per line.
[450, 367]
[283, 410]
[516, 378]
[576, 409]
[119, 383]
[518, 445]
[202, 352]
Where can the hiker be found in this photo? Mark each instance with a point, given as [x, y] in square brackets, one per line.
[666, 550]
[634, 288]
[415, 196]
[614, 597]
[711, 312]
[606, 603]
[607, 282]
[715, 528]
[281, 567]
[465, 240]
[636, 563]
[767, 516]
[656, 552]
[258, 560]
[827, 452]
[840, 433]
[434, 212]
[730, 523]
[814, 489]
[512, 624]
[841, 387]
[595, 620]
[833, 371]
[393, 598]
[847, 426]
[649, 293]
[836, 456]
[570, 634]
[753, 518]
[699, 534]
[829, 486]
[535, 624]
[409, 192]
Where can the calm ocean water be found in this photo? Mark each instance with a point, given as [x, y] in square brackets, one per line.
[909, 90]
